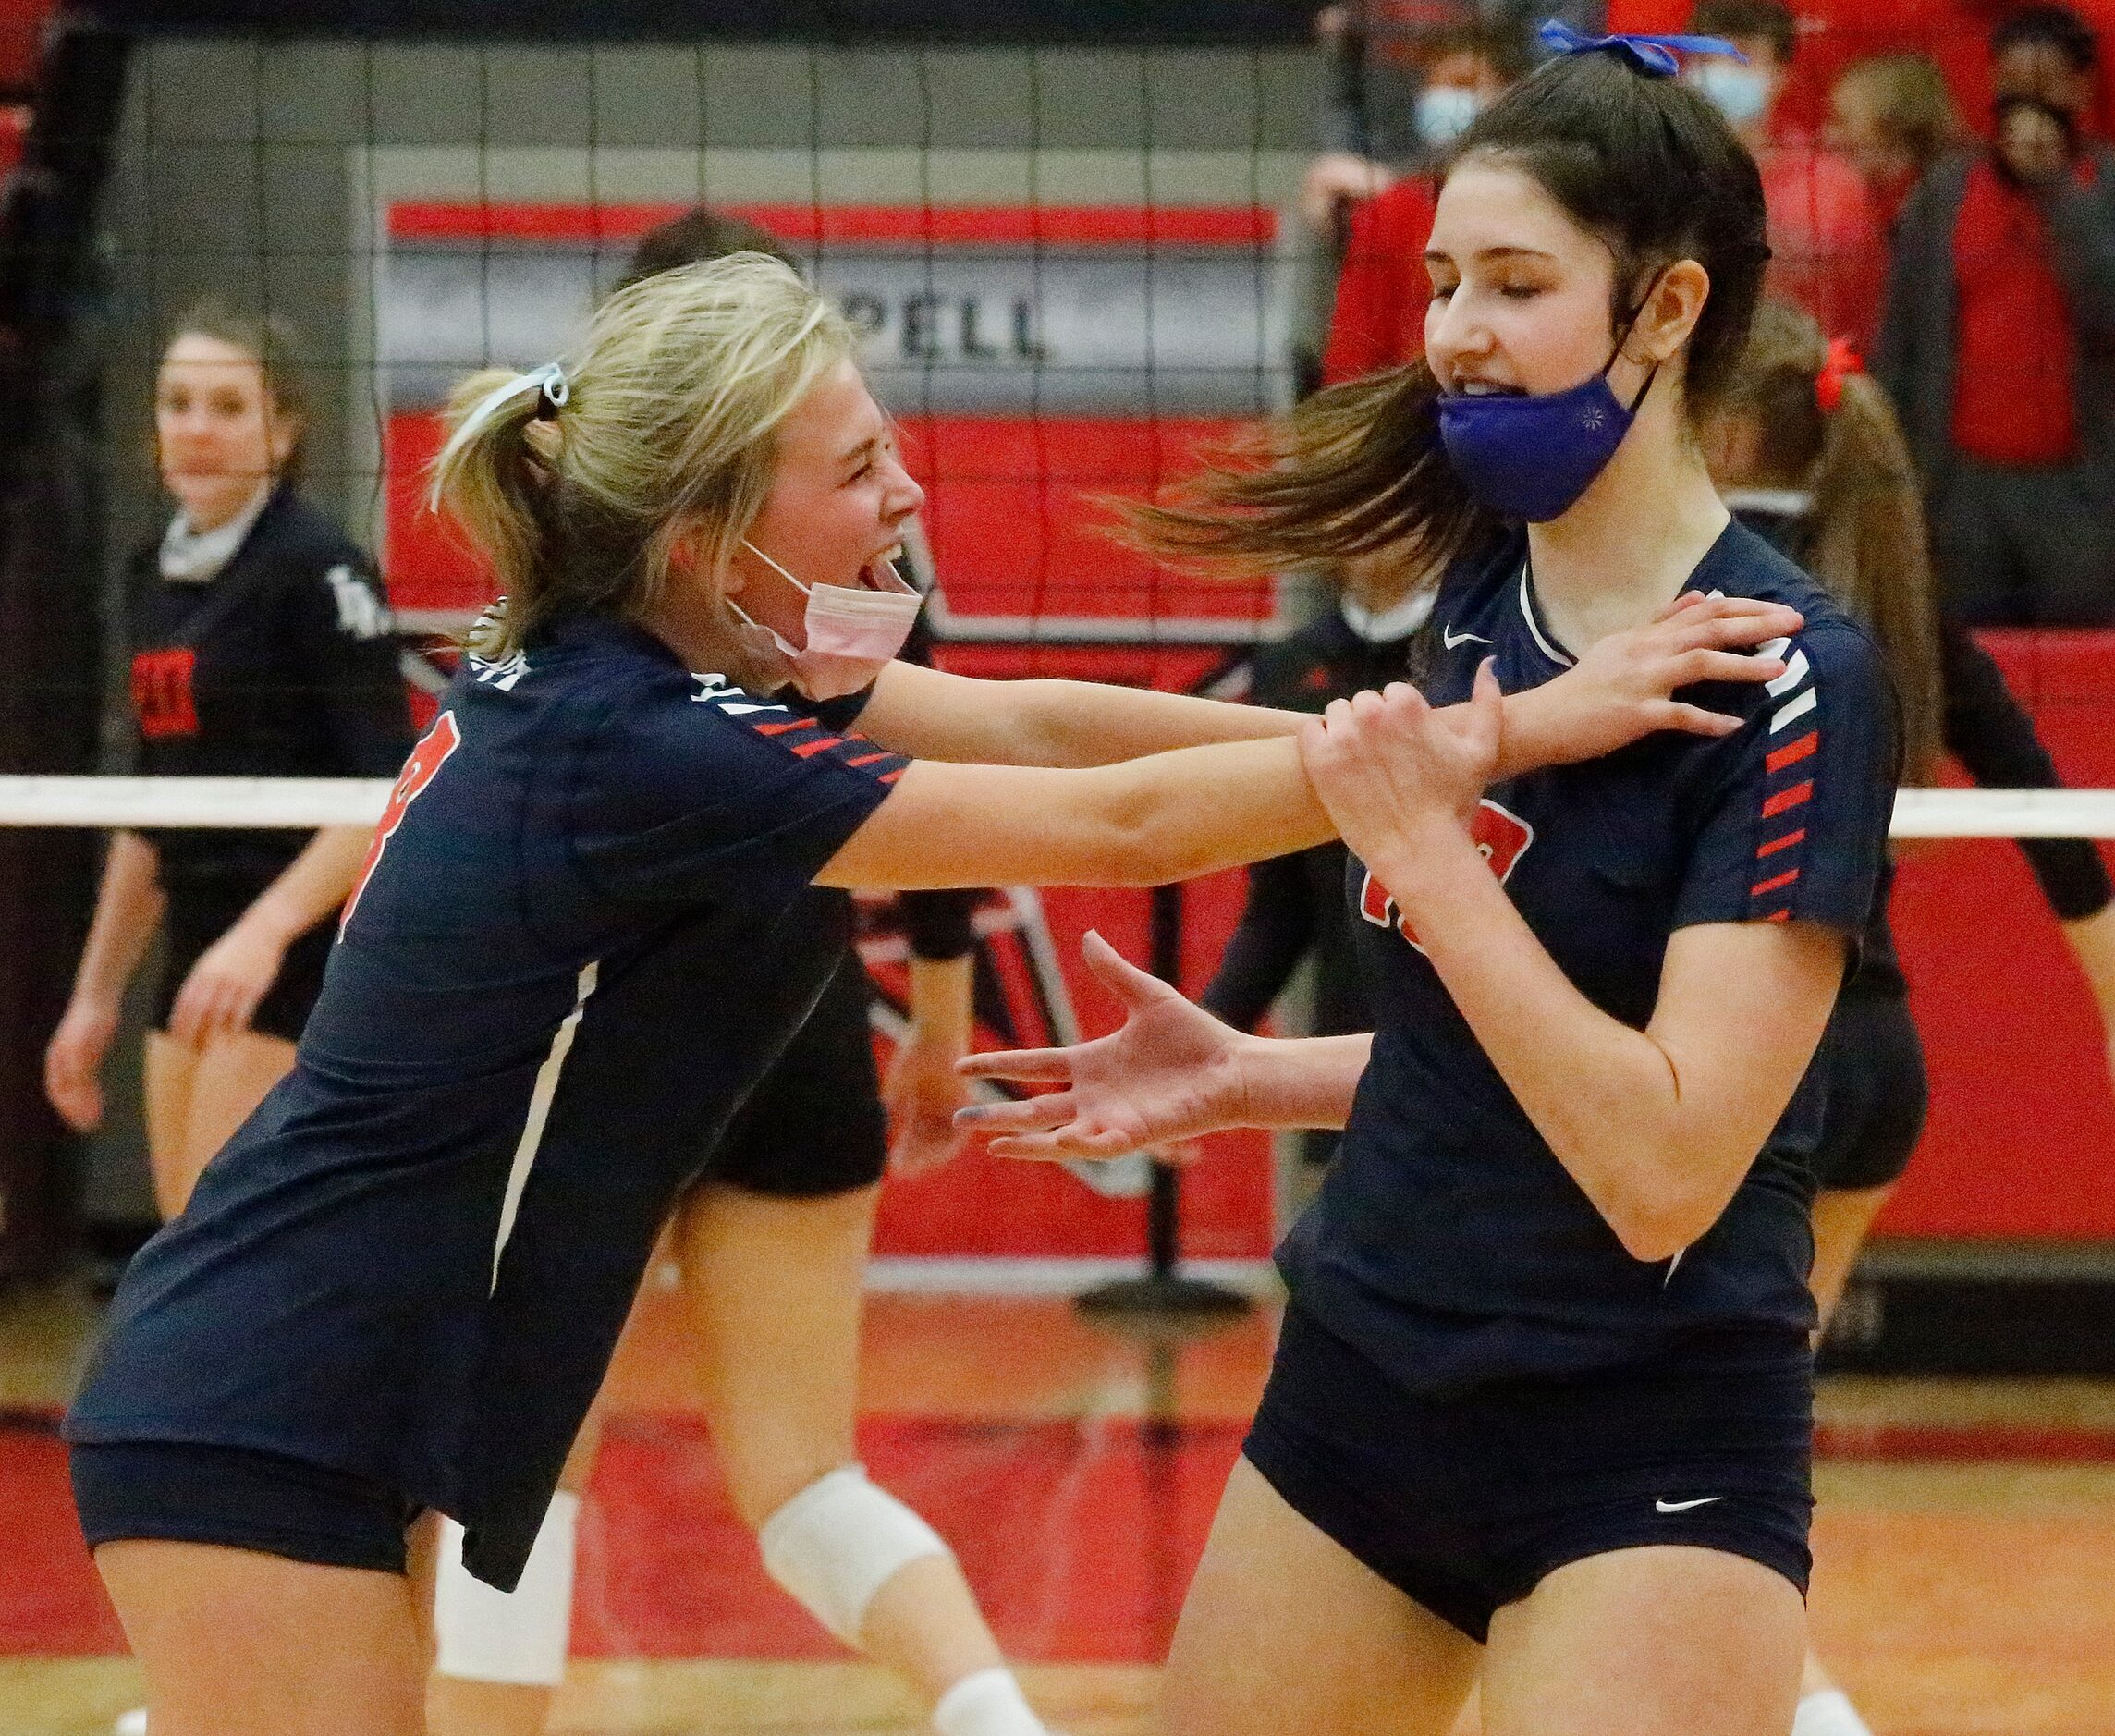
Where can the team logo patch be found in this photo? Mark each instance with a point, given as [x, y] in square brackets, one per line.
[1501, 837]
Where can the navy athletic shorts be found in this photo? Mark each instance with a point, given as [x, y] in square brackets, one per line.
[1878, 1093]
[815, 1124]
[180, 1493]
[1465, 1501]
[195, 921]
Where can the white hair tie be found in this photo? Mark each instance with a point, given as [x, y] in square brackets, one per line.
[549, 383]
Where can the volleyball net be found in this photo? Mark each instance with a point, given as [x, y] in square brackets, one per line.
[1075, 243]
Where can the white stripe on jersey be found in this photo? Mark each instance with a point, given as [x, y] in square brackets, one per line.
[540, 1112]
[1795, 672]
[1797, 708]
[1554, 653]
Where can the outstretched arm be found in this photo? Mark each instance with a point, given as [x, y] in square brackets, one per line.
[1621, 688]
[1144, 823]
[1170, 1073]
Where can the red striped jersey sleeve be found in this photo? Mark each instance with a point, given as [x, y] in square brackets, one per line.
[1795, 819]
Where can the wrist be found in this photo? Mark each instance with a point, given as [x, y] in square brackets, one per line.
[265, 923]
[1520, 743]
[1425, 845]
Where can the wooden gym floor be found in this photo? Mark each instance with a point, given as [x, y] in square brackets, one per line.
[1965, 1543]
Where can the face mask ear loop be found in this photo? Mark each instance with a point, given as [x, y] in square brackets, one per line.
[774, 566]
[1630, 325]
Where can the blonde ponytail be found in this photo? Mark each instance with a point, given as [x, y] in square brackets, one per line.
[664, 427]
[489, 479]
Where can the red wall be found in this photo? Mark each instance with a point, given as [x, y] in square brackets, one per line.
[2022, 1138]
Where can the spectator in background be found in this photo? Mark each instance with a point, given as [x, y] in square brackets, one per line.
[1829, 252]
[1295, 909]
[1378, 318]
[1998, 344]
[1404, 80]
[1891, 117]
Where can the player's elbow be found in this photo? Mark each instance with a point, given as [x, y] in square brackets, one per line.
[1665, 1207]
[1651, 1235]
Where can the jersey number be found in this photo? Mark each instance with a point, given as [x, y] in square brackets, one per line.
[426, 759]
[1501, 836]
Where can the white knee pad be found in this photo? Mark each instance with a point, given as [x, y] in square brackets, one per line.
[839, 1542]
[520, 1637]
[1828, 1712]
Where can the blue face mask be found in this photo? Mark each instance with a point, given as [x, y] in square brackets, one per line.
[1444, 111]
[1531, 458]
[1741, 93]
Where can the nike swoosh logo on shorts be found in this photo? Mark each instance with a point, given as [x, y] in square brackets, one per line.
[1450, 638]
[1683, 1507]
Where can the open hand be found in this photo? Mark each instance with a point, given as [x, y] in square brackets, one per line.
[1623, 687]
[1337, 177]
[1170, 1072]
[220, 996]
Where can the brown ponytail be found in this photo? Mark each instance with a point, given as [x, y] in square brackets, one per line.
[1868, 542]
[1353, 470]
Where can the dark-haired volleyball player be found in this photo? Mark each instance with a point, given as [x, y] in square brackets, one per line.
[1541, 1407]
[1809, 453]
[583, 929]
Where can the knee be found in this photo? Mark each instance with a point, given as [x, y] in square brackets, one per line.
[762, 1479]
[838, 1542]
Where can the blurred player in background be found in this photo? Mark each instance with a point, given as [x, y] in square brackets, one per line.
[1809, 444]
[260, 647]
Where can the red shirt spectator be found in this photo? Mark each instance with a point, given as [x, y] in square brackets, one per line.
[1829, 247]
[2016, 349]
[1384, 287]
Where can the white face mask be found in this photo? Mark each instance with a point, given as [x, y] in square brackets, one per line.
[1444, 111]
[1741, 94]
[853, 631]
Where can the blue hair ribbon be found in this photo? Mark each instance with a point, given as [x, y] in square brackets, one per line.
[1652, 54]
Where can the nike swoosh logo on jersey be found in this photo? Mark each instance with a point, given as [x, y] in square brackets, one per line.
[1450, 638]
[1683, 1507]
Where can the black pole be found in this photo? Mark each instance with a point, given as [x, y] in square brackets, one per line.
[1164, 1289]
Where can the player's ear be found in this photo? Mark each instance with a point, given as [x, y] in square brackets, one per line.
[1672, 306]
[690, 546]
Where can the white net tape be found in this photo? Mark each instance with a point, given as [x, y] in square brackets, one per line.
[313, 801]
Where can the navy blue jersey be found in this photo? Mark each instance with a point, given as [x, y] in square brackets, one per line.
[585, 930]
[1449, 1243]
[282, 665]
